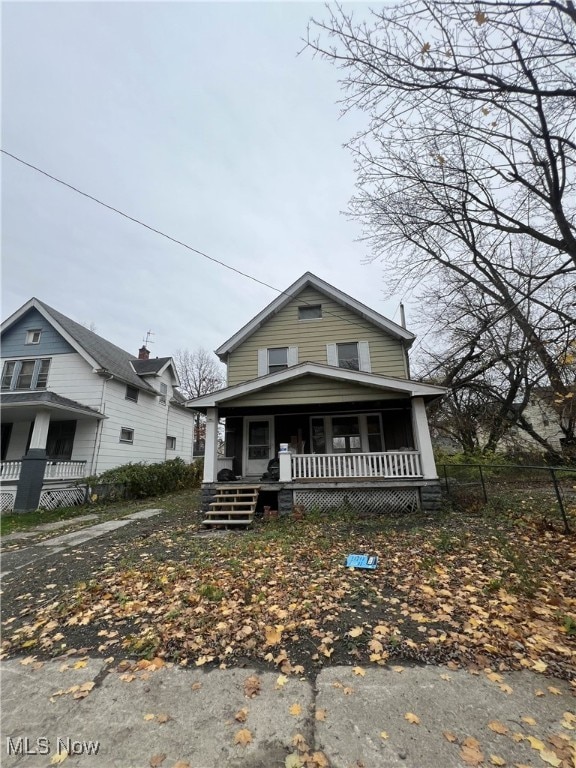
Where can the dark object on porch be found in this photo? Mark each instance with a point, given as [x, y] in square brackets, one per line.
[272, 471]
[226, 476]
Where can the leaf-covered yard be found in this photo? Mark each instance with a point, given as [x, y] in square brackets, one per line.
[484, 590]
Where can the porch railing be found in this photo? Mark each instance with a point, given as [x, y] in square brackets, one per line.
[55, 470]
[389, 464]
[10, 470]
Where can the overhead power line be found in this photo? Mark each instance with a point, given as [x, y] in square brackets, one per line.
[165, 235]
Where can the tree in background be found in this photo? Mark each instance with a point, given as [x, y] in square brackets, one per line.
[200, 373]
[467, 181]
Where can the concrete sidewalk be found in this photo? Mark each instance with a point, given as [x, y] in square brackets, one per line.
[424, 717]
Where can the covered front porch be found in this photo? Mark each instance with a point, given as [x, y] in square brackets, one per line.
[48, 445]
[321, 431]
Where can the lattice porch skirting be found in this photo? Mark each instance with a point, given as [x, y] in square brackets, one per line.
[364, 501]
[7, 500]
[62, 497]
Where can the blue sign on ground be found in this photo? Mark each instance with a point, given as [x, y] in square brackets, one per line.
[362, 561]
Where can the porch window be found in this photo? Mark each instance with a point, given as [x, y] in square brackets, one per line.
[355, 433]
[60, 441]
[346, 434]
[25, 374]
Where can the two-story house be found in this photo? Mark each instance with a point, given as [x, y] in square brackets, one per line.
[75, 405]
[322, 382]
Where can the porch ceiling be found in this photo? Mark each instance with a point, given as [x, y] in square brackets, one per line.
[23, 406]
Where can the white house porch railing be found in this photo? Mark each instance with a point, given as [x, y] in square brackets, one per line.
[390, 464]
[55, 470]
[65, 470]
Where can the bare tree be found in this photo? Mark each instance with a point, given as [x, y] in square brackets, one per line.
[200, 373]
[467, 167]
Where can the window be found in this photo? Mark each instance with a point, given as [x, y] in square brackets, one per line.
[171, 443]
[132, 393]
[348, 356]
[126, 435]
[33, 337]
[350, 433]
[60, 441]
[277, 359]
[271, 360]
[310, 312]
[163, 393]
[25, 374]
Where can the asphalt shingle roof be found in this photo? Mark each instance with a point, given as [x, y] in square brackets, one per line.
[9, 398]
[108, 356]
[150, 366]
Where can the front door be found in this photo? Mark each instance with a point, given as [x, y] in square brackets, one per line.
[259, 444]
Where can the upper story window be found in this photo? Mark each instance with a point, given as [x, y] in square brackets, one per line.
[163, 393]
[348, 356]
[353, 355]
[25, 374]
[170, 443]
[33, 336]
[277, 359]
[132, 393]
[310, 312]
[273, 359]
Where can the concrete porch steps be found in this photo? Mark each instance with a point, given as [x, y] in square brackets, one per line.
[232, 505]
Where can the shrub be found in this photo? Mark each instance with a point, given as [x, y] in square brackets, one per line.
[143, 480]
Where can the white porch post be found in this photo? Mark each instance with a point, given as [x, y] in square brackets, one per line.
[285, 458]
[422, 438]
[40, 432]
[211, 446]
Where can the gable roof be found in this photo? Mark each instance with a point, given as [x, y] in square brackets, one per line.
[310, 280]
[100, 353]
[388, 383]
[152, 366]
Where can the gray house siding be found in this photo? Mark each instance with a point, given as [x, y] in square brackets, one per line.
[51, 342]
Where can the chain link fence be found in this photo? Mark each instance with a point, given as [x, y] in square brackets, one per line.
[538, 489]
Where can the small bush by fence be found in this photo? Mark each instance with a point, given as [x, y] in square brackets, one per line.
[538, 487]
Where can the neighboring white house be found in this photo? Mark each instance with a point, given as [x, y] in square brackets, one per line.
[82, 403]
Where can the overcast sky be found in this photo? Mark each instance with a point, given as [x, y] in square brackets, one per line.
[199, 119]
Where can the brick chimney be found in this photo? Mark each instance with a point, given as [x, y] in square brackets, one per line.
[143, 353]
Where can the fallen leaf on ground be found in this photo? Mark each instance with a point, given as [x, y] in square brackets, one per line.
[496, 760]
[355, 632]
[497, 727]
[383, 735]
[157, 760]
[149, 716]
[295, 710]
[359, 671]
[241, 715]
[59, 757]
[320, 714]
[252, 686]
[449, 736]
[162, 718]
[536, 743]
[551, 758]
[243, 737]
[412, 718]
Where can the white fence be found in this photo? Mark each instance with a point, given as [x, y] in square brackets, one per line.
[391, 464]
